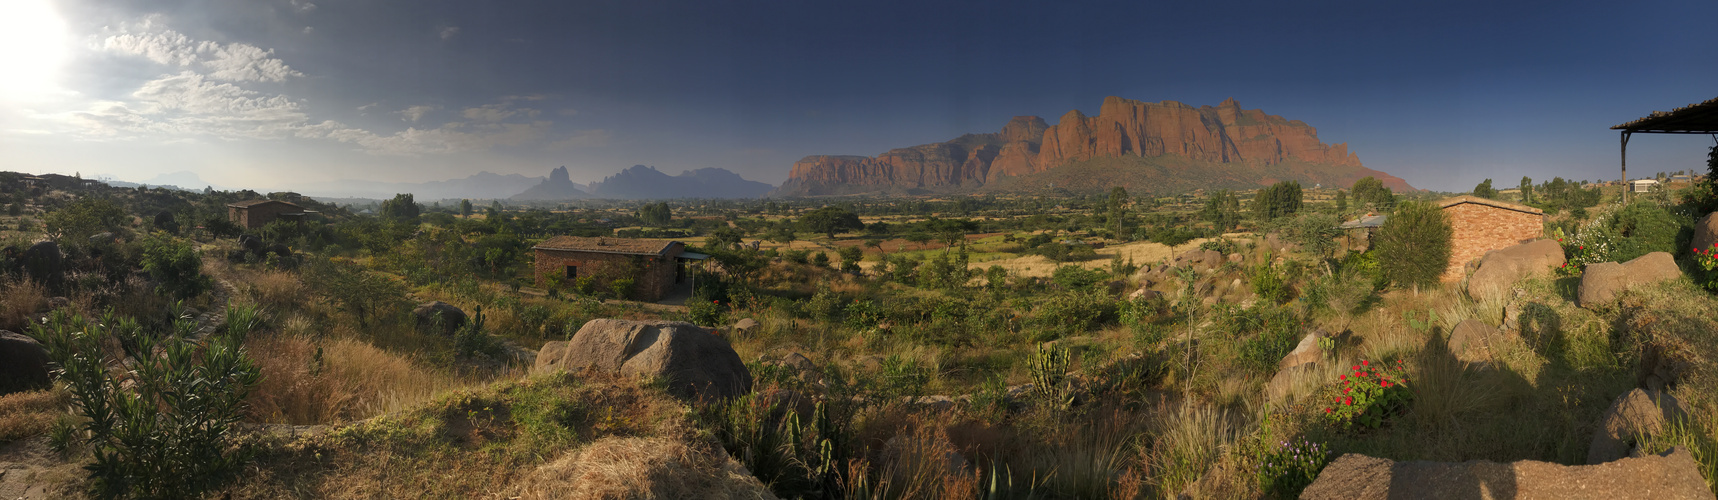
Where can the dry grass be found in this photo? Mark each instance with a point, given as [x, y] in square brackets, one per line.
[1036, 266]
[276, 290]
[1193, 438]
[353, 380]
[30, 413]
[642, 468]
[18, 300]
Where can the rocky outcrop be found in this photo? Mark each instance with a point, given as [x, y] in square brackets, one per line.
[558, 186]
[1634, 413]
[1207, 135]
[1299, 363]
[443, 317]
[23, 363]
[1472, 339]
[1500, 269]
[1353, 476]
[641, 182]
[1601, 282]
[696, 364]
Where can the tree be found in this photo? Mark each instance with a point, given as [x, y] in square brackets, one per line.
[1279, 200]
[1341, 201]
[875, 243]
[656, 214]
[402, 207]
[1526, 189]
[1414, 244]
[830, 220]
[1372, 193]
[464, 208]
[1484, 190]
[850, 257]
[83, 218]
[724, 238]
[1118, 207]
[1222, 210]
[176, 266]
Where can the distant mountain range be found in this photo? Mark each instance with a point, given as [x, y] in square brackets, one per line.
[557, 187]
[643, 183]
[481, 185]
[1161, 147]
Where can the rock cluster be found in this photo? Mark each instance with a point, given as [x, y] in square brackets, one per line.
[1501, 269]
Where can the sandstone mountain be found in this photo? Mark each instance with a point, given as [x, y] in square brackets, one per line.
[1150, 147]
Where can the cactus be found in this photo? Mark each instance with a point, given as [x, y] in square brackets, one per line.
[1050, 375]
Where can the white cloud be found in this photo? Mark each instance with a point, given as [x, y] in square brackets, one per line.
[449, 32]
[233, 62]
[593, 138]
[309, 30]
[303, 6]
[416, 113]
[497, 112]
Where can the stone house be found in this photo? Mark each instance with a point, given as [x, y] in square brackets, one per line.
[254, 214]
[1480, 225]
[655, 267]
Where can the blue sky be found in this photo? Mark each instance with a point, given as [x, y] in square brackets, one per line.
[273, 94]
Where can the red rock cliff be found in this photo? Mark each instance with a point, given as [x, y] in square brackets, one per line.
[1027, 145]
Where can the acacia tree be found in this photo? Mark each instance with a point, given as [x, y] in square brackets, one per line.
[1279, 200]
[831, 220]
[402, 207]
[1371, 192]
[1484, 190]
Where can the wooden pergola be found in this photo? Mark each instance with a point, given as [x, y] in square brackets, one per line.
[1699, 118]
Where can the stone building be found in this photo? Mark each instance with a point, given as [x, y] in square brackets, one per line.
[1481, 225]
[655, 267]
[254, 214]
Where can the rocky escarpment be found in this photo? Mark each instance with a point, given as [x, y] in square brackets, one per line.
[1205, 136]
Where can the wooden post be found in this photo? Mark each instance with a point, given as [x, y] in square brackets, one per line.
[1626, 184]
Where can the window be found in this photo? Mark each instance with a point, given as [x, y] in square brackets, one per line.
[572, 272]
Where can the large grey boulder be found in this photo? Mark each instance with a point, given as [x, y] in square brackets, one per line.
[1601, 282]
[696, 364]
[1471, 339]
[23, 363]
[1500, 269]
[1632, 414]
[1353, 476]
[442, 316]
[45, 264]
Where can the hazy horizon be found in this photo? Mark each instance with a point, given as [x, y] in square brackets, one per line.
[286, 94]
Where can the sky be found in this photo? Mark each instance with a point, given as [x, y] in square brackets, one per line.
[283, 94]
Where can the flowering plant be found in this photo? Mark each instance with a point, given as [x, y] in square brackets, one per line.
[1589, 244]
[1290, 467]
[1707, 258]
[1370, 394]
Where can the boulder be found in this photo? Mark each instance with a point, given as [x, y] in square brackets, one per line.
[1145, 294]
[1706, 232]
[1601, 282]
[281, 250]
[1279, 244]
[798, 361]
[1631, 414]
[1212, 259]
[1353, 476]
[745, 325]
[1236, 258]
[1471, 338]
[1500, 269]
[23, 363]
[1284, 381]
[440, 315]
[45, 264]
[252, 244]
[1307, 351]
[695, 363]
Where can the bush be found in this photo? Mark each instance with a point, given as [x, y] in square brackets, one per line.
[170, 434]
[176, 266]
[1644, 227]
[1414, 244]
[83, 218]
[1287, 469]
[1280, 200]
[1073, 277]
[705, 312]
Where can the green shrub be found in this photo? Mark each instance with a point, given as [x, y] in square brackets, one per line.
[175, 265]
[705, 312]
[83, 218]
[170, 434]
[1280, 200]
[1644, 227]
[1286, 468]
[1269, 284]
[1414, 244]
[1072, 277]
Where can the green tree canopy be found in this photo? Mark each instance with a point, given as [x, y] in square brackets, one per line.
[1371, 192]
[1222, 210]
[84, 217]
[1414, 244]
[1279, 200]
[1484, 190]
[830, 220]
[402, 207]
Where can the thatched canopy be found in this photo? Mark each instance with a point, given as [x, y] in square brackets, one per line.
[1699, 118]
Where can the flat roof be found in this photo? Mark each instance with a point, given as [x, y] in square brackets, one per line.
[252, 203]
[1699, 118]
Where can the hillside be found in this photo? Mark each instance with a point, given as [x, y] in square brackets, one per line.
[1190, 148]
[643, 183]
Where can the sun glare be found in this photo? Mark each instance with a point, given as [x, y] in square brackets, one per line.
[32, 49]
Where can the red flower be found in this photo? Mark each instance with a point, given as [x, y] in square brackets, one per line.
[1362, 374]
[1327, 410]
[1386, 383]
[1346, 389]
[1342, 377]
[1365, 363]
[1356, 367]
[1348, 401]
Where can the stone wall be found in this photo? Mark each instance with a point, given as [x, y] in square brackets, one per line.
[1479, 229]
[653, 276]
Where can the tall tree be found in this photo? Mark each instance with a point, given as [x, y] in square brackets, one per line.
[465, 208]
[1526, 189]
[1341, 201]
[830, 220]
[1118, 207]
[1371, 192]
[1414, 244]
[1281, 199]
[1222, 210]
